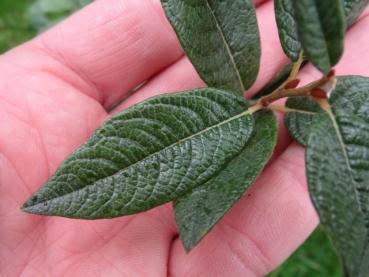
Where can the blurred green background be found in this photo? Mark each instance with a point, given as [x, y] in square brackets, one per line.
[20, 20]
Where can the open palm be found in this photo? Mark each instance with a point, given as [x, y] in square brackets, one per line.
[57, 89]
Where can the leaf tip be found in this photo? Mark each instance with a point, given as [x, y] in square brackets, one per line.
[190, 242]
[27, 208]
[188, 246]
[33, 206]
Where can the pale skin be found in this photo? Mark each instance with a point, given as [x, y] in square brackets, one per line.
[57, 89]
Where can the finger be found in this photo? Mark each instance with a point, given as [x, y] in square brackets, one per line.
[260, 230]
[182, 75]
[131, 246]
[112, 45]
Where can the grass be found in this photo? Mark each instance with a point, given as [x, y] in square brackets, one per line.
[14, 27]
[20, 20]
[315, 258]
[19, 23]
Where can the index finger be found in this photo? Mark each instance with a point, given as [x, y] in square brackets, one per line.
[114, 45]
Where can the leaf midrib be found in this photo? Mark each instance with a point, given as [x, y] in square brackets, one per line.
[335, 126]
[244, 113]
[227, 46]
[344, 150]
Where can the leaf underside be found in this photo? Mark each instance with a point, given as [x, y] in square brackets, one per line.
[148, 155]
[221, 39]
[199, 210]
[321, 26]
[337, 159]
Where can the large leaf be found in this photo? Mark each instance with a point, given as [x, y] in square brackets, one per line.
[301, 111]
[337, 158]
[148, 155]
[199, 210]
[321, 26]
[287, 28]
[221, 39]
[353, 8]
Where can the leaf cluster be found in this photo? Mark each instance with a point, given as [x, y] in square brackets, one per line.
[204, 148]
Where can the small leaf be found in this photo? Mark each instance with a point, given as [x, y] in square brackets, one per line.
[221, 39]
[301, 111]
[321, 26]
[199, 210]
[338, 172]
[287, 29]
[353, 8]
[148, 155]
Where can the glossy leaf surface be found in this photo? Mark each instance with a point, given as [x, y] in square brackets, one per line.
[221, 39]
[321, 26]
[199, 210]
[148, 155]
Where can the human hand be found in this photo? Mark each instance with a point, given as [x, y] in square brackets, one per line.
[57, 89]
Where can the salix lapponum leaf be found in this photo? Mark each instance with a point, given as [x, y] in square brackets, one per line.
[337, 159]
[221, 39]
[148, 155]
[200, 209]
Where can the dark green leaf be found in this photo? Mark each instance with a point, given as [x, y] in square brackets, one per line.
[321, 26]
[198, 211]
[221, 39]
[148, 155]
[337, 158]
[287, 28]
[301, 111]
[353, 8]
